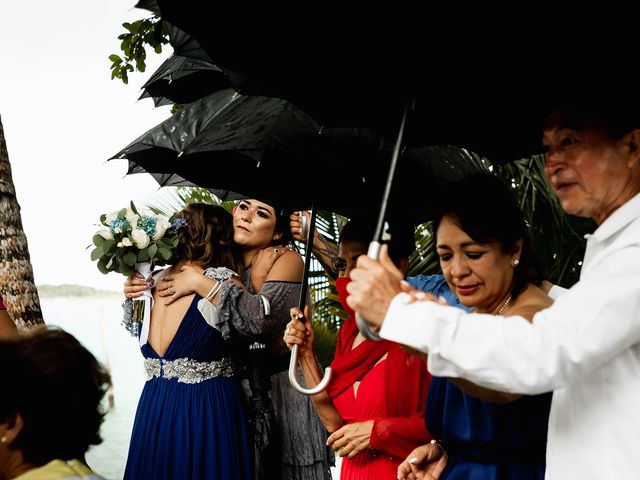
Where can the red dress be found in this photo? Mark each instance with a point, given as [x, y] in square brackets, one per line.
[391, 392]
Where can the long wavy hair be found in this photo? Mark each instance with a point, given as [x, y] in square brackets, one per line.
[207, 237]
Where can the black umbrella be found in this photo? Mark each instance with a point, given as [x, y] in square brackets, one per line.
[260, 147]
[183, 80]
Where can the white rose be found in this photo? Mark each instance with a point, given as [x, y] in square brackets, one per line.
[119, 244]
[105, 233]
[132, 218]
[140, 238]
[161, 226]
[126, 241]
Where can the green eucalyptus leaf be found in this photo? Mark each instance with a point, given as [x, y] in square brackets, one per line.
[130, 258]
[108, 245]
[133, 208]
[126, 269]
[164, 253]
[143, 255]
[153, 249]
[96, 253]
[102, 266]
[98, 240]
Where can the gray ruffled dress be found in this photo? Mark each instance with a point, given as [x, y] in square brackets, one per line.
[284, 422]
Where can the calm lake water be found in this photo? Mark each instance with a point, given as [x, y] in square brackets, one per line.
[95, 321]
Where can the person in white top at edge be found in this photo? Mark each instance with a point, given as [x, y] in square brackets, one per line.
[586, 346]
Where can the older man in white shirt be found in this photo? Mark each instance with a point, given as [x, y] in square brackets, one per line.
[586, 347]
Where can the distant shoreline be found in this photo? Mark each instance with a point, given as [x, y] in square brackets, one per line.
[69, 290]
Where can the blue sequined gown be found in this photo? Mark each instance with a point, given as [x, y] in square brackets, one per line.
[189, 423]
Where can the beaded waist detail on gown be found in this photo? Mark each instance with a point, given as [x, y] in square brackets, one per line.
[186, 370]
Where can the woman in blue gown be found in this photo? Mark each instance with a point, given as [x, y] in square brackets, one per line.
[190, 422]
[488, 265]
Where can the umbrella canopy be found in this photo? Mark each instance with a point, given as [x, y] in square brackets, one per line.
[262, 147]
[480, 86]
[183, 80]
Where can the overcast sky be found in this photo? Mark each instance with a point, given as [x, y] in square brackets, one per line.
[63, 118]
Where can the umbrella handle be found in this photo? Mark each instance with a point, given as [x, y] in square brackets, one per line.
[363, 326]
[293, 379]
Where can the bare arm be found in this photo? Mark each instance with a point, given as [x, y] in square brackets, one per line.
[257, 316]
[325, 251]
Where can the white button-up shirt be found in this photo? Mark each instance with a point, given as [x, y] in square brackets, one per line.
[585, 347]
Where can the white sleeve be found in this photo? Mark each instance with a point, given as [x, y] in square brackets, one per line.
[590, 324]
[556, 291]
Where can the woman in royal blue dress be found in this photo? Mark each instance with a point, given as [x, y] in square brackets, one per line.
[190, 422]
[488, 265]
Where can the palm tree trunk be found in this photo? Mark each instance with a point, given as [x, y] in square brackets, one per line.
[16, 273]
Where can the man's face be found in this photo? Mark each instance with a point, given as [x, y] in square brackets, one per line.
[588, 170]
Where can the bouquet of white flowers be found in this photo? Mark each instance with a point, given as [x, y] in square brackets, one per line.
[130, 237]
[133, 239]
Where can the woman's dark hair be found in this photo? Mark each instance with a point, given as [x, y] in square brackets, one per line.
[361, 228]
[208, 237]
[486, 210]
[57, 386]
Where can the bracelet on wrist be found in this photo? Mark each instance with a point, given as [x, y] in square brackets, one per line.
[214, 290]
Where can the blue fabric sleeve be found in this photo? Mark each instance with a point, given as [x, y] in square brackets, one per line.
[435, 285]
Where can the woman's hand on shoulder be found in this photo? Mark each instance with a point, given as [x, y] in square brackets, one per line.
[276, 264]
[262, 264]
[179, 282]
[287, 268]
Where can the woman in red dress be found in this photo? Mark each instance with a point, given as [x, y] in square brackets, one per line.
[374, 405]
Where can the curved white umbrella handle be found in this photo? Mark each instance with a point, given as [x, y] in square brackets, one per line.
[363, 326]
[293, 378]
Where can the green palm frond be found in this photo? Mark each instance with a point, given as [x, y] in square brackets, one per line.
[557, 238]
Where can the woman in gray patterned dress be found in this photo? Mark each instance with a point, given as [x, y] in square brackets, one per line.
[289, 438]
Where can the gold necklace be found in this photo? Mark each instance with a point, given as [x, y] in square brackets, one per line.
[504, 305]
